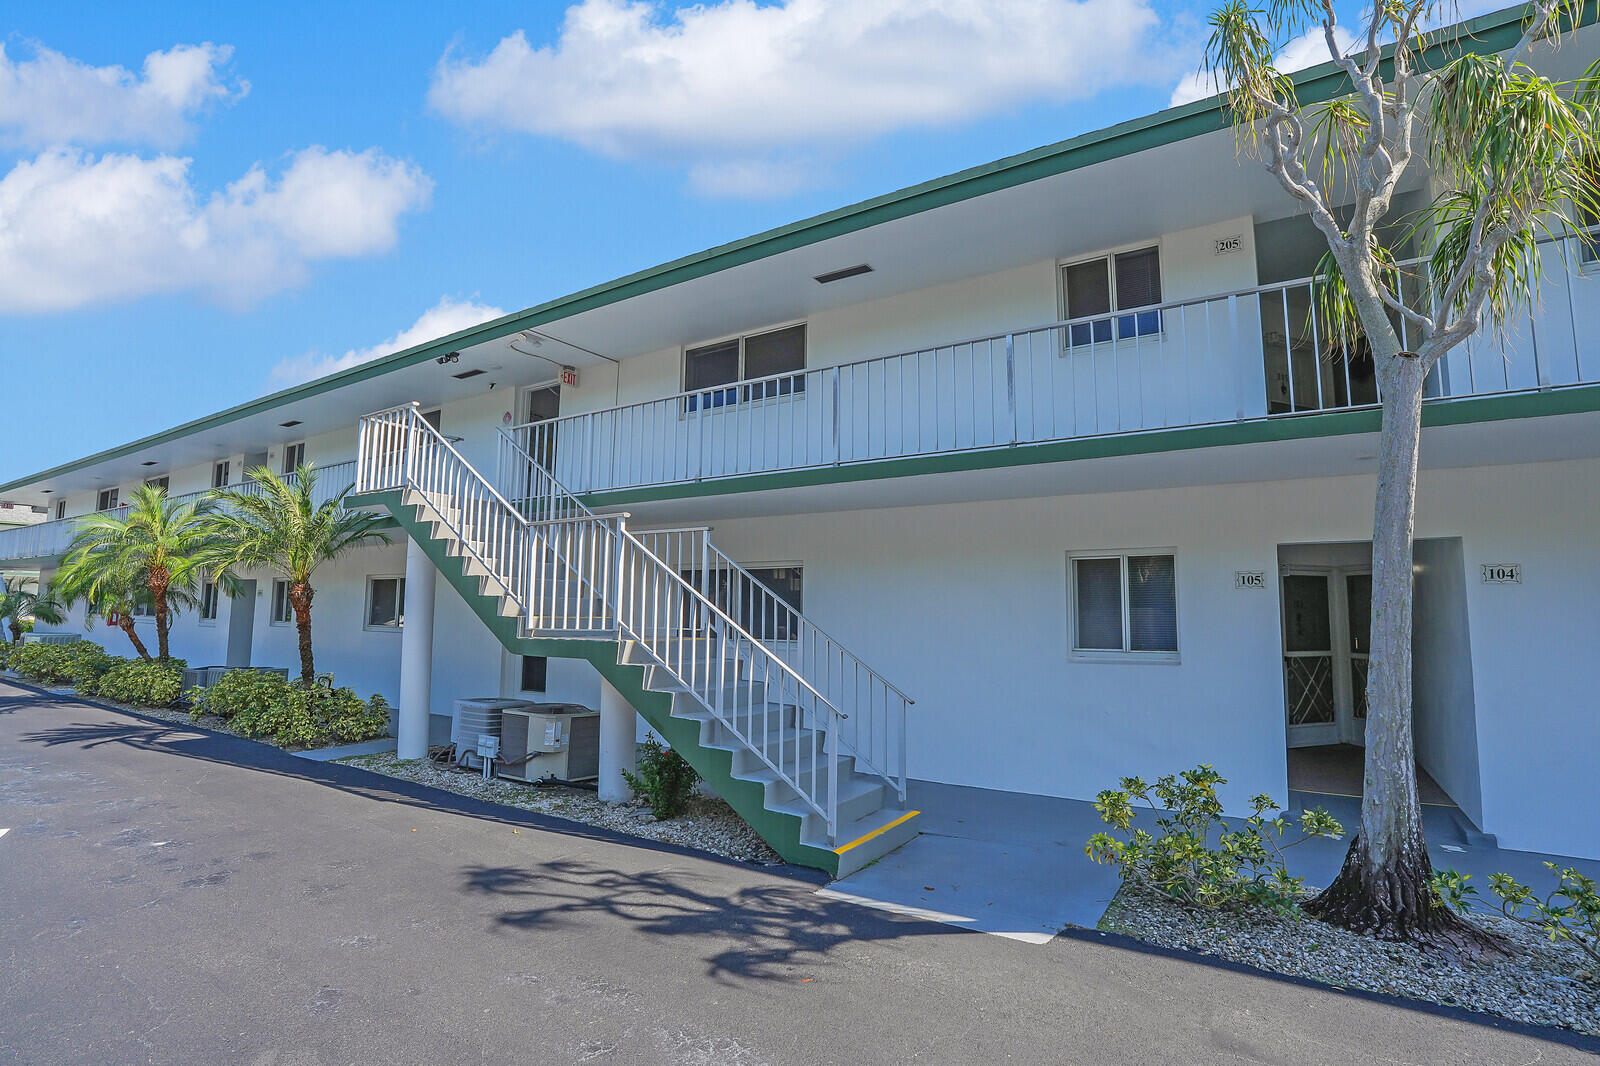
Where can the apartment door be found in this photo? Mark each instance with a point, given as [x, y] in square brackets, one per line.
[1327, 623]
[241, 624]
[540, 405]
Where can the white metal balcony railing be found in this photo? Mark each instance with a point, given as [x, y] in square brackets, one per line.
[48, 540]
[566, 571]
[1257, 353]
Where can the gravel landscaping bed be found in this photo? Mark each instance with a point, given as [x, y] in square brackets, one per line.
[1535, 984]
[708, 825]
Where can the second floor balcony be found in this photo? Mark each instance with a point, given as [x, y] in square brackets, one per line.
[47, 541]
[1250, 355]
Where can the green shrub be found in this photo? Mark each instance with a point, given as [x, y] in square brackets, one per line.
[1243, 868]
[1569, 911]
[87, 664]
[239, 692]
[262, 704]
[143, 683]
[665, 779]
[48, 664]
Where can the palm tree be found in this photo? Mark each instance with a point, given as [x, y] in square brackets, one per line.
[115, 597]
[157, 542]
[276, 524]
[18, 602]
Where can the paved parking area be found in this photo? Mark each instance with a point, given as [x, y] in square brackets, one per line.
[172, 896]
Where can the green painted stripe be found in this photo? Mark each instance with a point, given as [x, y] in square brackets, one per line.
[1487, 33]
[780, 830]
[1573, 400]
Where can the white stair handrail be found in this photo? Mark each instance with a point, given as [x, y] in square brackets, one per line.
[642, 598]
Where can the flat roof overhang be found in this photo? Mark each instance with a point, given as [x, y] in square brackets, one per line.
[1175, 169]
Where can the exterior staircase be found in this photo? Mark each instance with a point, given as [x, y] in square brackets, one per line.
[799, 736]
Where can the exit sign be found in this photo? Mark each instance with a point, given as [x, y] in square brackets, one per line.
[1502, 573]
[569, 377]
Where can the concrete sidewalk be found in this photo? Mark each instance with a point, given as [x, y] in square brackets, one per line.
[1014, 865]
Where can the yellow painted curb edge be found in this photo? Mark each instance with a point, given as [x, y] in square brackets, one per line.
[906, 817]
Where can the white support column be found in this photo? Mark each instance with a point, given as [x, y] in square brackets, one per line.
[619, 743]
[416, 655]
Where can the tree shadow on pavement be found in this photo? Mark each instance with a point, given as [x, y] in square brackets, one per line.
[761, 931]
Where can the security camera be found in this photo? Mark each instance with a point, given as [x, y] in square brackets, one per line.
[448, 357]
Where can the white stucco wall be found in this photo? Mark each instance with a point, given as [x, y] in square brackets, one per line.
[964, 606]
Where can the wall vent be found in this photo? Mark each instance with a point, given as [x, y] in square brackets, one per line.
[839, 275]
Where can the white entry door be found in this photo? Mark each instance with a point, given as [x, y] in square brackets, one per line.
[1310, 691]
[1327, 624]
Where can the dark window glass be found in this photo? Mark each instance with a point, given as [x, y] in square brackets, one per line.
[1305, 613]
[1088, 293]
[386, 606]
[1098, 585]
[1152, 604]
[280, 601]
[107, 500]
[535, 673]
[713, 365]
[208, 601]
[219, 475]
[1138, 285]
[783, 351]
[293, 456]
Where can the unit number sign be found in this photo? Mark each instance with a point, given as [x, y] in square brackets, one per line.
[1249, 579]
[1502, 573]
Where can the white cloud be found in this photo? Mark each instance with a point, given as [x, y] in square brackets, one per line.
[1306, 50]
[52, 99]
[76, 229]
[443, 318]
[733, 89]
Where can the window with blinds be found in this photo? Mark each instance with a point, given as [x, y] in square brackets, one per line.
[1125, 604]
[1098, 288]
[771, 363]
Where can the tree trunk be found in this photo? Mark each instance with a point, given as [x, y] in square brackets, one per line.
[300, 599]
[16, 631]
[159, 579]
[125, 623]
[1383, 887]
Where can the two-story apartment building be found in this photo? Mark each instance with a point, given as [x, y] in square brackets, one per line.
[1024, 478]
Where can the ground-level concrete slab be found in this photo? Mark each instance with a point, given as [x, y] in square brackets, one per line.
[996, 862]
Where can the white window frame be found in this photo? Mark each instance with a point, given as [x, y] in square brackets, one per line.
[116, 499]
[142, 612]
[165, 482]
[366, 605]
[1109, 256]
[1107, 655]
[283, 459]
[224, 467]
[216, 601]
[61, 508]
[739, 385]
[272, 604]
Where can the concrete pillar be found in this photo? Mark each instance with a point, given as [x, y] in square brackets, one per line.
[619, 743]
[416, 655]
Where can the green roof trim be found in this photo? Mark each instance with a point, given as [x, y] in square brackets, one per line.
[1569, 400]
[1488, 33]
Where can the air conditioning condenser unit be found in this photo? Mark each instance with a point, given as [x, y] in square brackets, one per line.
[550, 740]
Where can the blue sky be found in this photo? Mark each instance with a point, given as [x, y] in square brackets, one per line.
[283, 187]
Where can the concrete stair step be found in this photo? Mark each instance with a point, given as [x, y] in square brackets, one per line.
[869, 837]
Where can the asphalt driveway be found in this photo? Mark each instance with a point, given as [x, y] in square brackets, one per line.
[173, 896]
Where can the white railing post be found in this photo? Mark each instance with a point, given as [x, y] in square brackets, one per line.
[1238, 355]
[834, 725]
[1011, 382]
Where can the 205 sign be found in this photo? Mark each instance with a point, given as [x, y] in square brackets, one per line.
[1502, 573]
